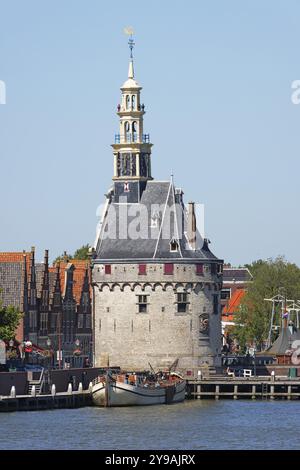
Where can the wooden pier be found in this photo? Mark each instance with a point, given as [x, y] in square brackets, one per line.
[74, 399]
[244, 388]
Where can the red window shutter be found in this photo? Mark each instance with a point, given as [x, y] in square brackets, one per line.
[199, 268]
[142, 268]
[107, 269]
[169, 267]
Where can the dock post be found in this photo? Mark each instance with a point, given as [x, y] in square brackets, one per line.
[235, 392]
[90, 387]
[53, 390]
[217, 392]
[198, 391]
[33, 391]
[69, 391]
[13, 392]
[272, 392]
[289, 392]
[253, 392]
[80, 387]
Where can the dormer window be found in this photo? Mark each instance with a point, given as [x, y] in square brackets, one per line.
[173, 245]
[155, 220]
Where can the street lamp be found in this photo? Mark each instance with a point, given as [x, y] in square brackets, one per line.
[11, 343]
[50, 357]
[77, 342]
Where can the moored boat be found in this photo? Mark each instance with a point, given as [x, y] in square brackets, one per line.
[138, 389]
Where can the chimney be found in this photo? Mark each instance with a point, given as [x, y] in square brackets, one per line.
[191, 225]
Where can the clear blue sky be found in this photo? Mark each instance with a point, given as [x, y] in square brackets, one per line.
[216, 80]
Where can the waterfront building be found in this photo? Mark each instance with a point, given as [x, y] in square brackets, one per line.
[156, 284]
[55, 303]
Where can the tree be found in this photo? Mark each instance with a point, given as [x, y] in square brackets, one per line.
[269, 278]
[81, 253]
[9, 320]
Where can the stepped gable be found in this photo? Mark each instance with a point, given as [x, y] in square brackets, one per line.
[79, 273]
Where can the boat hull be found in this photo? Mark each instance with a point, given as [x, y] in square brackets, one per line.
[121, 394]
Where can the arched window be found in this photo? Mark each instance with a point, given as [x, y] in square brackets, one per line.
[173, 245]
[127, 101]
[133, 102]
[127, 131]
[134, 131]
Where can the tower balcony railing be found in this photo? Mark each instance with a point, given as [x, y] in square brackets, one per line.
[131, 138]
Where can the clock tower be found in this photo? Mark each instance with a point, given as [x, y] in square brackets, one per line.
[132, 148]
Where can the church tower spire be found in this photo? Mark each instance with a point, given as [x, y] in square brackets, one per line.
[132, 147]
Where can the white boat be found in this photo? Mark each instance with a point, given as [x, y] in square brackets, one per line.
[135, 389]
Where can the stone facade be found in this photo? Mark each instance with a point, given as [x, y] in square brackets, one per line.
[161, 335]
[156, 284]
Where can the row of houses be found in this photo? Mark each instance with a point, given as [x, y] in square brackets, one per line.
[55, 301]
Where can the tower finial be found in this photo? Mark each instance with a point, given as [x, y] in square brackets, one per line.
[129, 31]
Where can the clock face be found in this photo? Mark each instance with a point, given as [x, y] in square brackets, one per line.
[126, 187]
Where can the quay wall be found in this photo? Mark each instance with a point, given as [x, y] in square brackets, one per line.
[10, 379]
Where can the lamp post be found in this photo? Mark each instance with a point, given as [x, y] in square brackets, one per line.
[49, 350]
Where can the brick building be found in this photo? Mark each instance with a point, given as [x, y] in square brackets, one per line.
[55, 302]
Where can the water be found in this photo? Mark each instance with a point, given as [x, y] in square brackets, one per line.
[198, 424]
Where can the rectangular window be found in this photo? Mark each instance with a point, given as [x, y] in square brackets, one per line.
[199, 269]
[169, 268]
[214, 269]
[80, 320]
[142, 304]
[88, 321]
[32, 320]
[107, 268]
[216, 304]
[181, 302]
[142, 268]
[225, 294]
[44, 321]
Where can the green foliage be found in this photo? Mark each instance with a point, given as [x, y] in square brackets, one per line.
[269, 278]
[9, 320]
[81, 254]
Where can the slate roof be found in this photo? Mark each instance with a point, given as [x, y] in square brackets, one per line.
[158, 198]
[12, 284]
[236, 275]
[282, 345]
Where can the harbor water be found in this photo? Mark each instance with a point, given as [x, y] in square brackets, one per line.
[194, 424]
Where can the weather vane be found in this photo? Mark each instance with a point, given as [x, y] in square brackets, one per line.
[129, 32]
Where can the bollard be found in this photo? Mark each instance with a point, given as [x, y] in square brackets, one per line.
[80, 387]
[90, 387]
[13, 392]
[33, 392]
[273, 375]
[69, 391]
[53, 390]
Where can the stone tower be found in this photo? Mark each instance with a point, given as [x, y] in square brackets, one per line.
[156, 284]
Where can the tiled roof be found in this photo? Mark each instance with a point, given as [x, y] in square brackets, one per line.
[15, 257]
[234, 302]
[236, 275]
[78, 276]
[11, 284]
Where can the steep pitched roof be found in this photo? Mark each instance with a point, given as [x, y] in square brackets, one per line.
[282, 345]
[154, 240]
[234, 302]
[12, 278]
[79, 272]
[236, 275]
